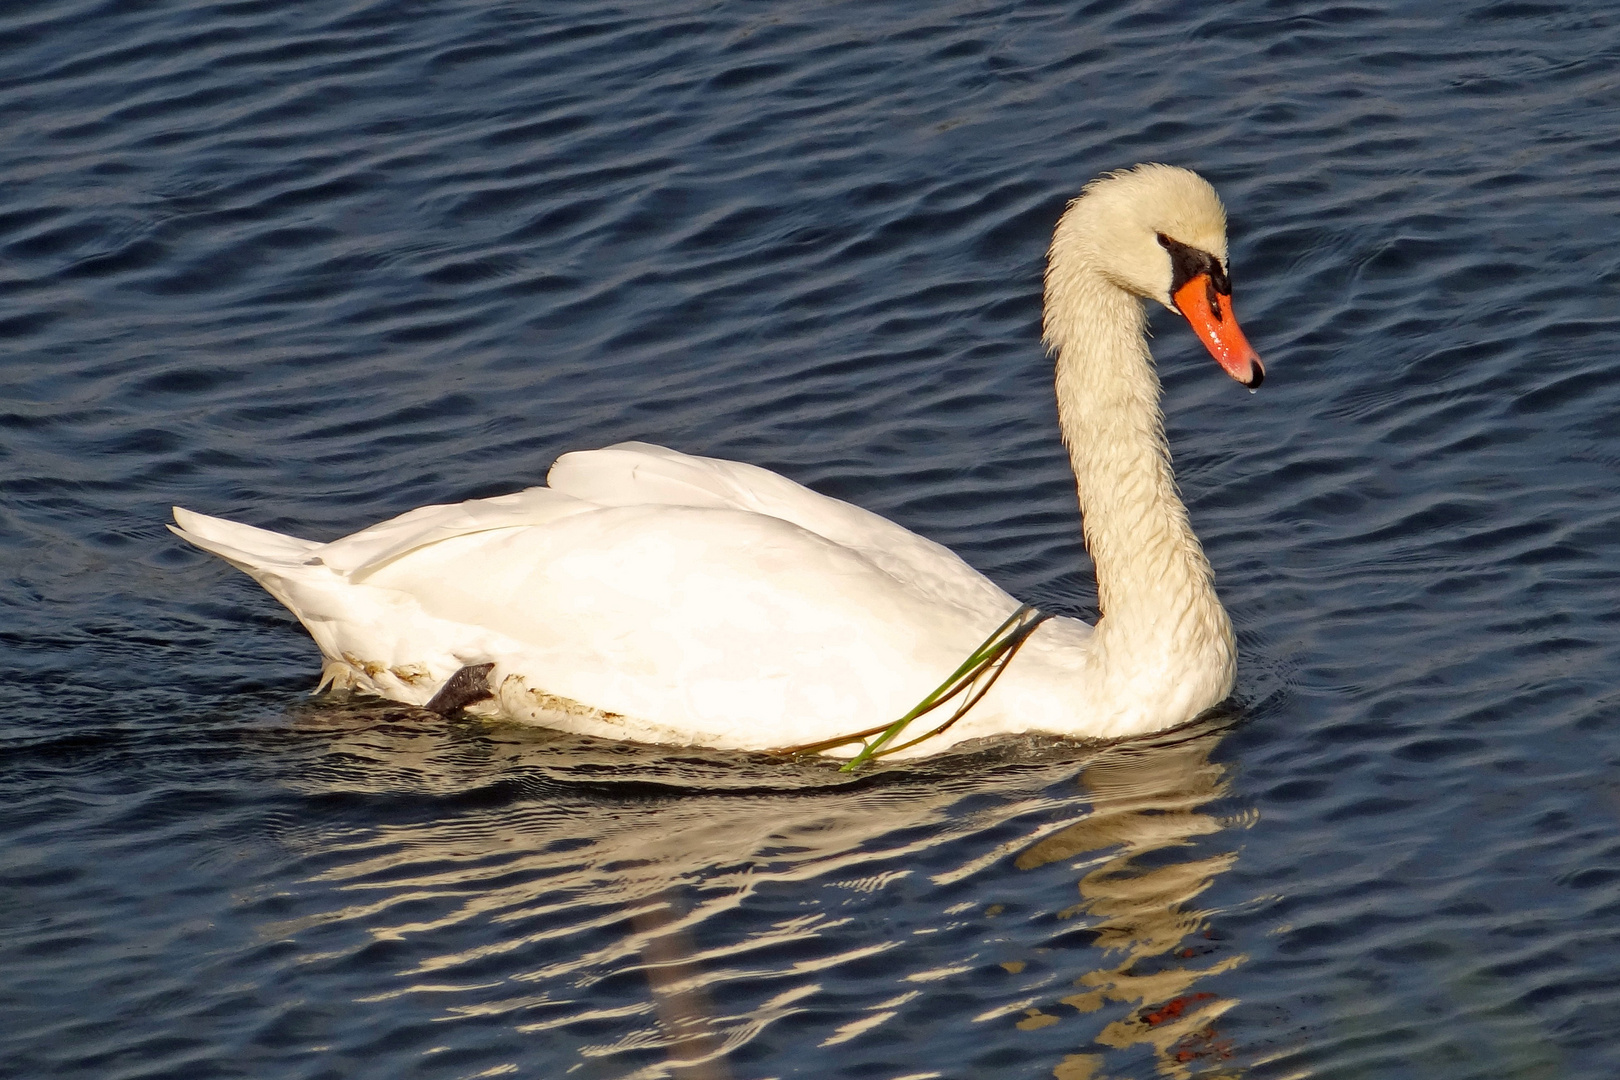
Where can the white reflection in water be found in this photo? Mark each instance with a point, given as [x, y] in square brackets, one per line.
[1146, 802]
[652, 911]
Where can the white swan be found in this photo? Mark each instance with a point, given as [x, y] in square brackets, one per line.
[653, 596]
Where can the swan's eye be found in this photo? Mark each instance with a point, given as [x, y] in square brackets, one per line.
[1188, 262]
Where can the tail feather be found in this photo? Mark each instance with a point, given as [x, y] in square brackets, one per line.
[243, 546]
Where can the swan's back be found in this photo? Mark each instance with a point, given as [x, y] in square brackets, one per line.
[640, 474]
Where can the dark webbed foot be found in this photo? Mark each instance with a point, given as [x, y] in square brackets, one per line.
[464, 688]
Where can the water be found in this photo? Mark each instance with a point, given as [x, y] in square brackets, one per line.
[311, 265]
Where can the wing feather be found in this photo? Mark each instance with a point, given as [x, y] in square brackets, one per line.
[639, 474]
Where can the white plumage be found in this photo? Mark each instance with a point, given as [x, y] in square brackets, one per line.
[649, 595]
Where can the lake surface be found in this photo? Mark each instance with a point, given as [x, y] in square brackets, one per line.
[311, 265]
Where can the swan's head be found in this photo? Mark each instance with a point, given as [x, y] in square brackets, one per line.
[1160, 232]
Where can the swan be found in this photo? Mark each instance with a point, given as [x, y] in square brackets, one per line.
[649, 595]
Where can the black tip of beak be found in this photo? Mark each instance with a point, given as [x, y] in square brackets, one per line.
[1257, 375]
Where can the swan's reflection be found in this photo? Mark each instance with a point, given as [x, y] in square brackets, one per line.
[1147, 800]
[652, 913]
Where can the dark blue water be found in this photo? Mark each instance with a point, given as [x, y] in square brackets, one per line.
[310, 265]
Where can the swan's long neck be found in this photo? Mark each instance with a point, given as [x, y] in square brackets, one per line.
[1160, 618]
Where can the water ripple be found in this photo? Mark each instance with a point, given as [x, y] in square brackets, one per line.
[313, 266]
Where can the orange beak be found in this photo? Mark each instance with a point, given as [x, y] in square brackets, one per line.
[1210, 314]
